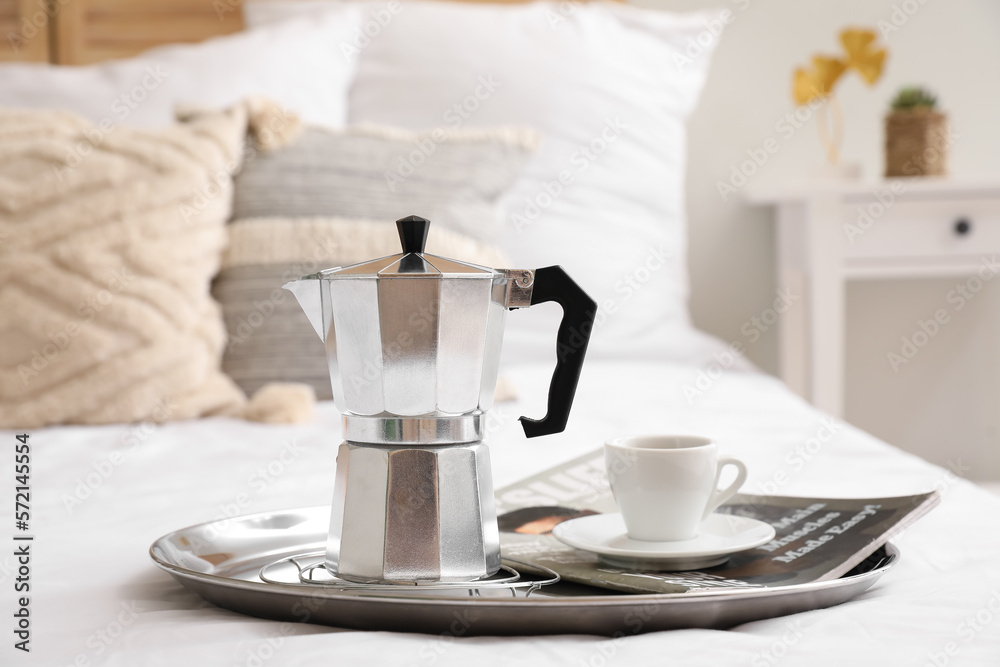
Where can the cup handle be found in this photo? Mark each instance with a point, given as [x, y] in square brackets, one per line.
[720, 496]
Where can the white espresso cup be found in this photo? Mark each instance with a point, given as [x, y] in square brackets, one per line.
[666, 485]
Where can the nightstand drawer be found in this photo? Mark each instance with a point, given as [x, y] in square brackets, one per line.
[921, 229]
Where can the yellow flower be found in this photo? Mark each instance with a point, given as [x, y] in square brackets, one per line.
[860, 53]
[819, 81]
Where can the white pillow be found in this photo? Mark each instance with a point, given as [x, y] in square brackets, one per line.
[610, 87]
[298, 64]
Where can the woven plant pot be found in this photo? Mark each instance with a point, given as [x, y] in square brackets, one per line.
[916, 143]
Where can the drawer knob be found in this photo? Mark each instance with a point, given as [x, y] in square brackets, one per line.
[962, 227]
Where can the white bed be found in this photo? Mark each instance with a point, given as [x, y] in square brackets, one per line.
[98, 599]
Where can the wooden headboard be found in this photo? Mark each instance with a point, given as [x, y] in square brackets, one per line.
[78, 32]
[24, 28]
[89, 31]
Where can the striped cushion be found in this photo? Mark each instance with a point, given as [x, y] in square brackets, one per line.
[270, 339]
[329, 199]
[453, 177]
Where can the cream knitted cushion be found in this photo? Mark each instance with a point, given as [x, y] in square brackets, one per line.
[108, 241]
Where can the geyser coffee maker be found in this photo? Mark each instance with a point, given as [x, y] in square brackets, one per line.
[413, 344]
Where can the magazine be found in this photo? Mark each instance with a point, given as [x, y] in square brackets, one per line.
[816, 539]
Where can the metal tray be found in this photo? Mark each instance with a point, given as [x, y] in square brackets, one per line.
[221, 560]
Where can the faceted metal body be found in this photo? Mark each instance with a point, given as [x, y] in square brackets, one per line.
[413, 343]
[410, 345]
[413, 513]
[420, 347]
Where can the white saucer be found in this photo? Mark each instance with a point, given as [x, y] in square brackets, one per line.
[720, 536]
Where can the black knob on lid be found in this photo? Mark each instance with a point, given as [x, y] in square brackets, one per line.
[963, 227]
[413, 232]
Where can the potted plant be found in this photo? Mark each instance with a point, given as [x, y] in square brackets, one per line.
[916, 135]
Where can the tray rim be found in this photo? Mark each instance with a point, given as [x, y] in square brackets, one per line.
[612, 598]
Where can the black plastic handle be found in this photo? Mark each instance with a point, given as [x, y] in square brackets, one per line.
[579, 310]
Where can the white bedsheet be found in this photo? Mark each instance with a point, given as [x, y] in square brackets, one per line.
[101, 495]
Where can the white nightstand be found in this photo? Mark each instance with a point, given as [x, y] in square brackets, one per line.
[829, 233]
